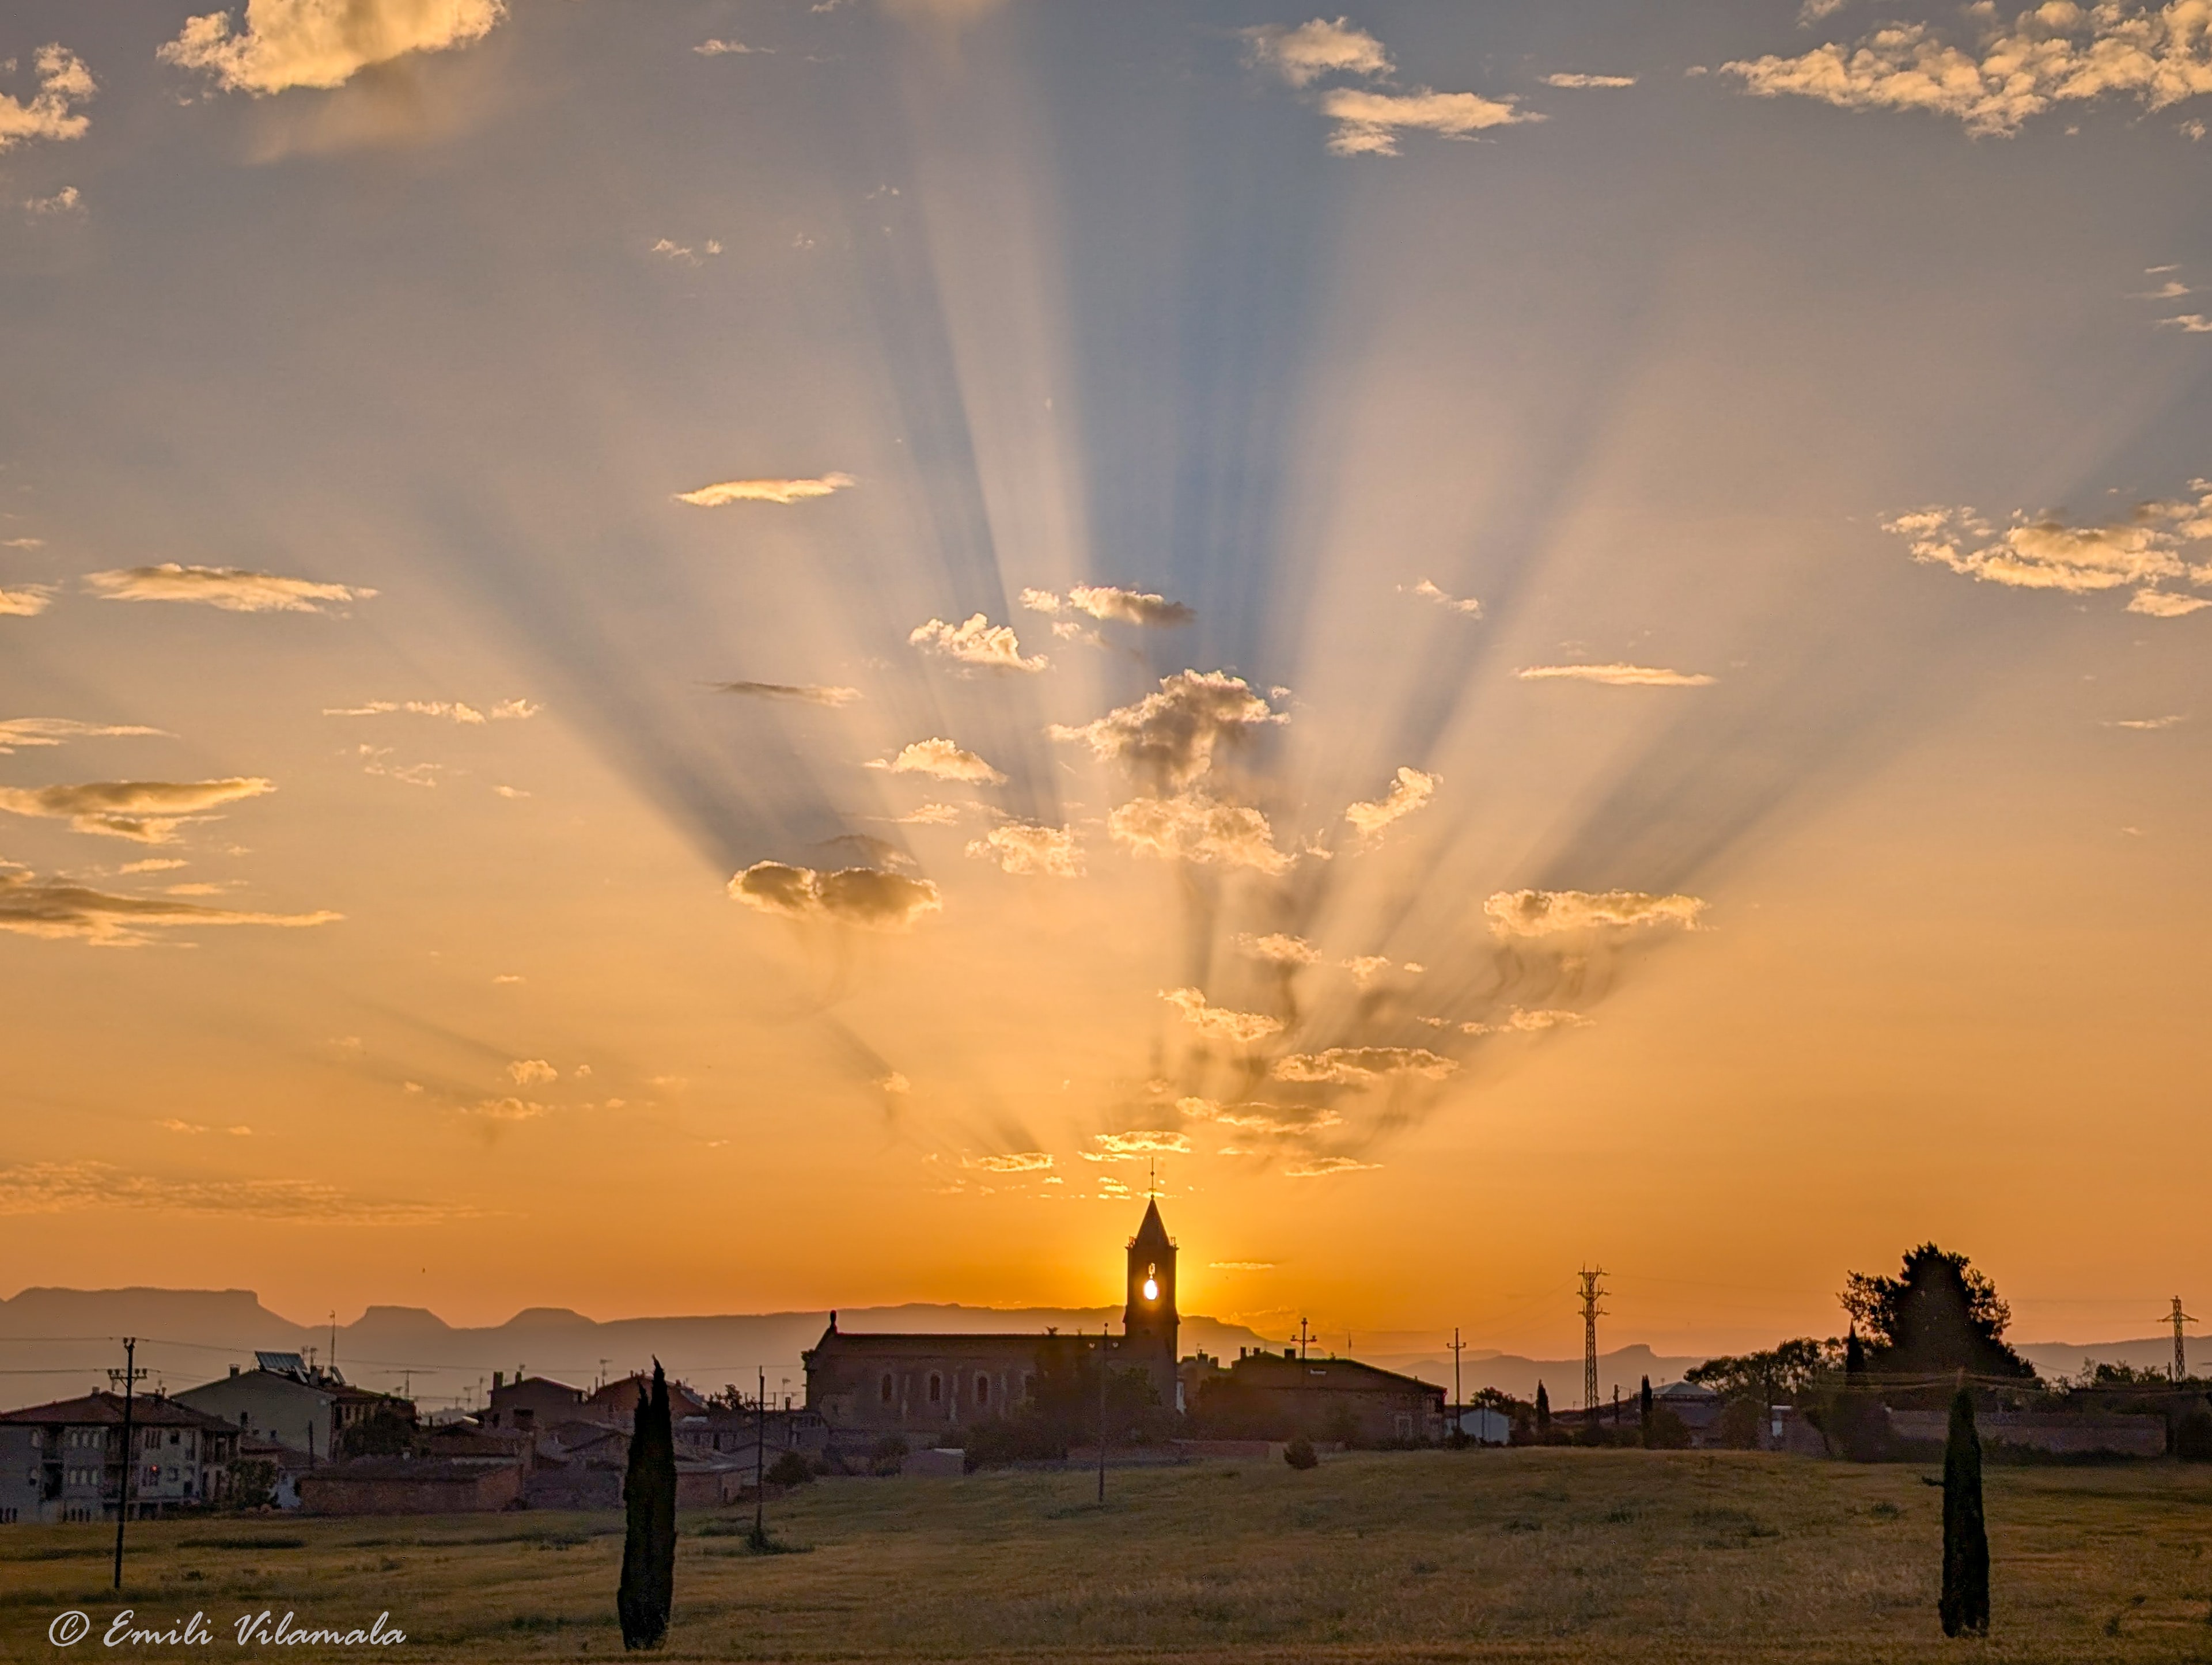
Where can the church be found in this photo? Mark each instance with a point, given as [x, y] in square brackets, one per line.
[892, 1383]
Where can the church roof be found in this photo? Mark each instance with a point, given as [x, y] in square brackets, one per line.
[1151, 1233]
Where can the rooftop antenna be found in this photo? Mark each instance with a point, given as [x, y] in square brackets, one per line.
[2180, 1350]
[1591, 1313]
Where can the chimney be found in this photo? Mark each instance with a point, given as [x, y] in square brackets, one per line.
[498, 1380]
[234, 1370]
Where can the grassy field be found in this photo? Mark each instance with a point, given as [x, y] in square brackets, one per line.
[1544, 1554]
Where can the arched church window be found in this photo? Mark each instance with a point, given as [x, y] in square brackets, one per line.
[887, 1388]
[936, 1387]
[982, 1389]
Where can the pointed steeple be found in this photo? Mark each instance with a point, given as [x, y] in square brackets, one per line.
[1152, 1232]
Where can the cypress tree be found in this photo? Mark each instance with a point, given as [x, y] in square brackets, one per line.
[1965, 1602]
[1543, 1412]
[1854, 1356]
[1643, 1406]
[648, 1568]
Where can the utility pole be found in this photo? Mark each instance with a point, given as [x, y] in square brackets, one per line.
[1591, 1313]
[1458, 1346]
[1101, 1413]
[760, 1443]
[2180, 1348]
[1303, 1337]
[129, 1375]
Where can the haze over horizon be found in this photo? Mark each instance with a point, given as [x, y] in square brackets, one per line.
[739, 657]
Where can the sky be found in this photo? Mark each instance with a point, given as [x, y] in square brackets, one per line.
[753, 655]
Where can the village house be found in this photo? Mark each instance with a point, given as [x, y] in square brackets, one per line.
[65, 1461]
[1330, 1398]
[304, 1408]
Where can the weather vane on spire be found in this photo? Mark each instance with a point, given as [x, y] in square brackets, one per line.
[1152, 1185]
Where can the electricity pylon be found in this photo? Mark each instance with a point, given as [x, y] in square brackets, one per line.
[1591, 1313]
[2180, 1349]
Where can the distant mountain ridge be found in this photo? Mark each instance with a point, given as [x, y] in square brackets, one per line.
[55, 1343]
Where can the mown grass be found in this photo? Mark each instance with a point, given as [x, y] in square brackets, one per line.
[1536, 1555]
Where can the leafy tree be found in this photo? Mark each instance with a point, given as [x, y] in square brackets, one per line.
[1773, 1377]
[648, 1568]
[1965, 1607]
[1667, 1431]
[792, 1468]
[387, 1431]
[1543, 1412]
[1939, 1314]
[253, 1483]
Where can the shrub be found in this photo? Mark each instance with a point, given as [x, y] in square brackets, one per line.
[888, 1455]
[1667, 1431]
[2192, 1441]
[792, 1468]
[1739, 1420]
[1300, 1453]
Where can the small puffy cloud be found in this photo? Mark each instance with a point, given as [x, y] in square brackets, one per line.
[764, 491]
[864, 896]
[1616, 676]
[21, 732]
[1158, 1141]
[1356, 1066]
[805, 693]
[1195, 828]
[2188, 324]
[940, 760]
[1170, 735]
[1281, 950]
[1015, 1162]
[1554, 913]
[1466, 605]
[1365, 968]
[230, 588]
[894, 1083]
[1368, 124]
[1219, 1022]
[1321, 1167]
[26, 601]
[1409, 792]
[147, 811]
[1304, 54]
[2052, 53]
[532, 1072]
[58, 910]
[930, 815]
[976, 641]
[323, 43]
[452, 711]
[712, 48]
[1108, 601]
[69, 200]
[1032, 851]
[505, 1109]
[2164, 604]
[1579, 82]
[1537, 1022]
[52, 114]
[2045, 553]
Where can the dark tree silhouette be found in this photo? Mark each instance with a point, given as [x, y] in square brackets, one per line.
[1965, 1607]
[1854, 1356]
[1644, 1407]
[648, 1568]
[1543, 1412]
[1938, 1315]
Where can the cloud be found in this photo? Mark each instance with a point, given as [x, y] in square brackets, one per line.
[764, 491]
[59, 1187]
[1813, 10]
[1467, 604]
[1032, 851]
[1158, 1141]
[323, 43]
[940, 760]
[2048, 54]
[1320, 1167]
[56, 909]
[2045, 553]
[1368, 122]
[2146, 722]
[1270, 1120]
[1365, 968]
[1015, 1162]
[1195, 828]
[1537, 1022]
[2188, 324]
[1409, 792]
[229, 588]
[1281, 950]
[69, 200]
[805, 693]
[28, 602]
[1219, 1022]
[1170, 736]
[1240, 1266]
[19, 733]
[1304, 54]
[451, 710]
[1108, 601]
[865, 897]
[2163, 604]
[63, 83]
[1554, 913]
[977, 642]
[22, 542]
[724, 48]
[929, 815]
[147, 811]
[1616, 676]
[1583, 81]
[1356, 1066]
[506, 1109]
[668, 249]
[531, 1071]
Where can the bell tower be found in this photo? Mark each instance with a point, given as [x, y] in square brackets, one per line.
[1149, 1321]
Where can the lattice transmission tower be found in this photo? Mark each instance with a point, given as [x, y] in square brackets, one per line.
[2180, 1346]
[1591, 1313]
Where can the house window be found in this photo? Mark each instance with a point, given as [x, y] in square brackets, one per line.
[982, 1389]
[936, 1387]
[887, 1388]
